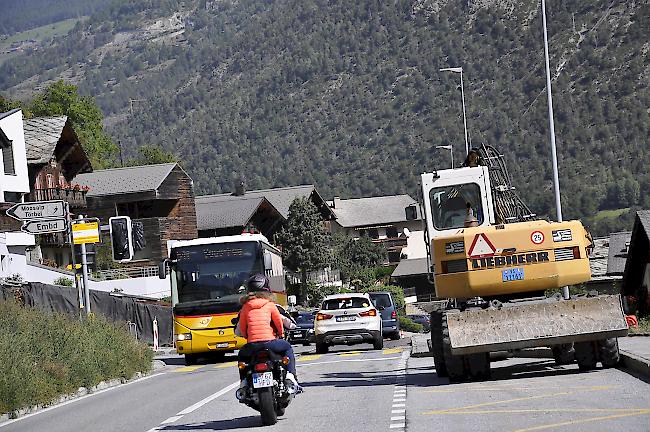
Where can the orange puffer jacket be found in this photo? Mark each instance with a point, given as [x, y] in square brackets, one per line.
[255, 320]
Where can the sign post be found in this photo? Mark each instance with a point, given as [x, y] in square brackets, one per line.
[85, 230]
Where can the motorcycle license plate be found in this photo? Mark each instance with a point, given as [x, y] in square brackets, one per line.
[263, 380]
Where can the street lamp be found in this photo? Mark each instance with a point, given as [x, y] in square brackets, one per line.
[551, 124]
[462, 94]
[450, 148]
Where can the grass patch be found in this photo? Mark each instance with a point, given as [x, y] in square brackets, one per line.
[407, 324]
[44, 356]
[643, 328]
[41, 33]
[610, 214]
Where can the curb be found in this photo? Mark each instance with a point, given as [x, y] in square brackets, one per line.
[634, 363]
[420, 348]
[82, 391]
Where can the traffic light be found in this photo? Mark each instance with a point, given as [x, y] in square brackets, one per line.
[121, 238]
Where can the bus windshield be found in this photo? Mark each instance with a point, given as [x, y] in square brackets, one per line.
[214, 271]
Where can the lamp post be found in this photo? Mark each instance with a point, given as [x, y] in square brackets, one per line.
[551, 125]
[462, 94]
[451, 153]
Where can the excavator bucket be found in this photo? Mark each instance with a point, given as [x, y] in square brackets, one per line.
[536, 323]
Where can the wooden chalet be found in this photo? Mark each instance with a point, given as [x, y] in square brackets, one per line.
[54, 159]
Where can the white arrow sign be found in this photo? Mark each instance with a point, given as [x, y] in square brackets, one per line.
[37, 210]
[44, 226]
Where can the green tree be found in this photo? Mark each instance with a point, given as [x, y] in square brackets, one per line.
[152, 154]
[303, 240]
[63, 99]
[356, 258]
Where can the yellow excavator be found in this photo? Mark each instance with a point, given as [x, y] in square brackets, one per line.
[494, 261]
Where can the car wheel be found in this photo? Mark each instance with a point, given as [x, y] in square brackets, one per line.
[321, 348]
[395, 335]
[378, 342]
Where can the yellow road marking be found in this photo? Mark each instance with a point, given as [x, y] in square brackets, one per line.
[188, 369]
[309, 357]
[501, 388]
[587, 420]
[226, 365]
[350, 353]
[549, 410]
[469, 407]
[392, 351]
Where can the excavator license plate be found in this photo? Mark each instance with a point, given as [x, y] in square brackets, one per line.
[513, 274]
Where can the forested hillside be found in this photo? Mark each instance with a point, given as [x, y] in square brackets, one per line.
[348, 95]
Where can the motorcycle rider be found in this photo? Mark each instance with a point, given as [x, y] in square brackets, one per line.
[261, 324]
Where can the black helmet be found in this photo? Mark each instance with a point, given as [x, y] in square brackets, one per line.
[258, 282]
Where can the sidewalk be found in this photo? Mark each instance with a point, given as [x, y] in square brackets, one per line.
[635, 354]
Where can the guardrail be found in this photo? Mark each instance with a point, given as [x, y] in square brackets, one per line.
[125, 273]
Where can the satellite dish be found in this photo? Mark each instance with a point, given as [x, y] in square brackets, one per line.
[407, 232]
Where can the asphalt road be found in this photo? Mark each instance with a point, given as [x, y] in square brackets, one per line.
[357, 388]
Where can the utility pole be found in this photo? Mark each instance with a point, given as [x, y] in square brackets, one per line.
[551, 124]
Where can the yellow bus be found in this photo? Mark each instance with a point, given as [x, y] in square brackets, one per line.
[208, 277]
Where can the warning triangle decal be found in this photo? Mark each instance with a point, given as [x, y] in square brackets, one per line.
[481, 247]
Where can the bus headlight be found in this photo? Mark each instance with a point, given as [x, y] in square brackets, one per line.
[184, 336]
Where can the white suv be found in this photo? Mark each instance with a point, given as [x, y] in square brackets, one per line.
[347, 319]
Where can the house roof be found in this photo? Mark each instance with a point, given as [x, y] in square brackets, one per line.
[372, 211]
[410, 267]
[598, 258]
[218, 212]
[126, 180]
[42, 134]
[8, 113]
[617, 254]
[280, 198]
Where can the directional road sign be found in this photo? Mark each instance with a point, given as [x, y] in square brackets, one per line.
[37, 210]
[45, 226]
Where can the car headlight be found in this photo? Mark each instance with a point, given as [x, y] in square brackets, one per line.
[184, 336]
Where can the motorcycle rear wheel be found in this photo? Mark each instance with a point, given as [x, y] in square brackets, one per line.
[267, 406]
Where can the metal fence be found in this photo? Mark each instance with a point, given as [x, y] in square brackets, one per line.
[321, 277]
[125, 273]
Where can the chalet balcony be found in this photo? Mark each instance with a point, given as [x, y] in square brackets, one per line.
[392, 243]
[75, 197]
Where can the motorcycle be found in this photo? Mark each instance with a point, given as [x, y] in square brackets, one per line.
[267, 390]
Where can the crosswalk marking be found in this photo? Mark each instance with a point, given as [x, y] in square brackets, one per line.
[310, 357]
[188, 369]
[392, 351]
[226, 365]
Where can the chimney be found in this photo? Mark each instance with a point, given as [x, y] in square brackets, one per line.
[336, 202]
[240, 188]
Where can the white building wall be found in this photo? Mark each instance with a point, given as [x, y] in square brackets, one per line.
[12, 126]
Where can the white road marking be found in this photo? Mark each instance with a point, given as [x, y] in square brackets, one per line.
[171, 419]
[196, 406]
[77, 399]
[210, 398]
[398, 410]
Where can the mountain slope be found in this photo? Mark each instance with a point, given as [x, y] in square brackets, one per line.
[348, 94]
